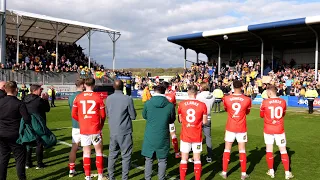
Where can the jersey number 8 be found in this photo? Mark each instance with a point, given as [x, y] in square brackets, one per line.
[92, 104]
[191, 115]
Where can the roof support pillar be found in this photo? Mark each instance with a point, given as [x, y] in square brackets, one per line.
[316, 60]
[197, 57]
[230, 54]
[57, 43]
[262, 58]
[89, 58]
[219, 59]
[114, 40]
[3, 32]
[272, 56]
[185, 58]
[18, 38]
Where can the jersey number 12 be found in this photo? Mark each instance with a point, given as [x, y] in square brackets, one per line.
[91, 103]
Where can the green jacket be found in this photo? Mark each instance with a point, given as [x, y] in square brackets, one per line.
[159, 113]
[75, 124]
[28, 133]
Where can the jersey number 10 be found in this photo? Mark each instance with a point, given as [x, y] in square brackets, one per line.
[276, 112]
[84, 104]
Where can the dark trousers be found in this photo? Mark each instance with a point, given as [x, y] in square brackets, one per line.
[310, 105]
[52, 102]
[217, 103]
[206, 128]
[39, 153]
[19, 152]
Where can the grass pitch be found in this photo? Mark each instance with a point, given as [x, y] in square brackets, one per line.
[302, 131]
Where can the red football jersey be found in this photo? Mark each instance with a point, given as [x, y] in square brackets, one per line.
[89, 110]
[192, 112]
[171, 98]
[273, 111]
[237, 107]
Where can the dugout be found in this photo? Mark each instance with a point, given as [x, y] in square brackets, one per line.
[274, 41]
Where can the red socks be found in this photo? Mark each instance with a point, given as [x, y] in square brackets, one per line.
[175, 144]
[183, 169]
[87, 166]
[99, 164]
[243, 161]
[72, 166]
[197, 170]
[269, 158]
[225, 160]
[285, 161]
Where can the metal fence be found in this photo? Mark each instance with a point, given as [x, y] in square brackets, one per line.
[46, 78]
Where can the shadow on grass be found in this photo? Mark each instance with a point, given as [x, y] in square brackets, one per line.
[277, 158]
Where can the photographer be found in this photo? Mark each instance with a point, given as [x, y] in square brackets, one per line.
[9, 131]
[37, 105]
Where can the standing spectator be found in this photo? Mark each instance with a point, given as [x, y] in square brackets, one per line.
[75, 130]
[24, 91]
[2, 89]
[37, 103]
[311, 94]
[206, 97]
[218, 94]
[121, 112]
[159, 113]
[146, 95]
[9, 131]
[52, 96]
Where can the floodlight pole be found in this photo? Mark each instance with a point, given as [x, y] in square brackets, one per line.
[316, 60]
[185, 58]
[3, 32]
[197, 57]
[57, 41]
[262, 49]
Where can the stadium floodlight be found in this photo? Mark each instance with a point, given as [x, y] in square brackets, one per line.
[225, 37]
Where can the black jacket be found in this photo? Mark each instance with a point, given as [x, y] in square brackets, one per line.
[2, 93]
[12, 110]
[35, 104]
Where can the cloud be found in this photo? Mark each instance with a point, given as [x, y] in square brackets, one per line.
[145, 25]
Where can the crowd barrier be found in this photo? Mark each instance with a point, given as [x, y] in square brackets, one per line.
[292, 101]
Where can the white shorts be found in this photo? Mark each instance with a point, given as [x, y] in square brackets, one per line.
[186, 147]
[76, 137]
[279, 138]
[240, 137]
[172, 128]
[88, 139]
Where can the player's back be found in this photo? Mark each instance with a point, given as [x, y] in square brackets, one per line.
[237, 107]
[171, 96]
[89, 105]
[191, 112]
[273, 111]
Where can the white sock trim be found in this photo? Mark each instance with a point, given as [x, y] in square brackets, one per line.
[99, 154]
[183, 162]
[86, 155]
[197, 162]
[226, 150]
[283, 152]
[242, 151]
[173, 137]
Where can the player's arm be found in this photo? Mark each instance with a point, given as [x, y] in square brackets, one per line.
[205, 114]
[284, 108]
[102, 111]
[262, 109]
[225, 104]
[172, 115]
[249, 107]
[75, 110]
[179, 113]
[132, 111]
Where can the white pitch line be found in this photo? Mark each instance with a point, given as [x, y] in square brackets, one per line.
[96, 175]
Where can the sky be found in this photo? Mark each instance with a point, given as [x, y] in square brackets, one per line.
[146, 24]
